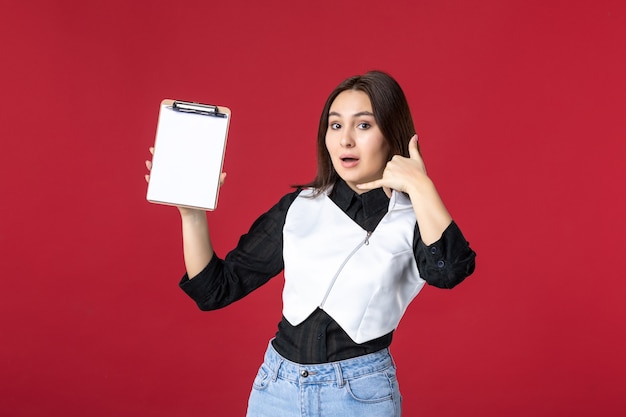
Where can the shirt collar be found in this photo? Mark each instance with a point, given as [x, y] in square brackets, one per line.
[372, 201]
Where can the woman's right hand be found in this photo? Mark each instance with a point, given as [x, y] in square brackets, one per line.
[197, 247]
[184, 211]
[149, 164]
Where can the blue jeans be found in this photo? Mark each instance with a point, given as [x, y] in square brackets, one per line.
[363, 386]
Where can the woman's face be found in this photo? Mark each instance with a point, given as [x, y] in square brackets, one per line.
[357, 148]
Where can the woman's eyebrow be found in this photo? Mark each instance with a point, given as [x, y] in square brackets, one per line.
[359, 114]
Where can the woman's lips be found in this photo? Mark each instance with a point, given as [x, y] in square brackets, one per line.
[348, 161]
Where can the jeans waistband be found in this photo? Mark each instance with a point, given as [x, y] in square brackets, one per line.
[327, 372]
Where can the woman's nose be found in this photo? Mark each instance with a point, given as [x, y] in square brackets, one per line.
[347, 140]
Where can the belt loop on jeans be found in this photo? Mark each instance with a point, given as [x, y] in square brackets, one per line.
[275, 375]
[339, 375]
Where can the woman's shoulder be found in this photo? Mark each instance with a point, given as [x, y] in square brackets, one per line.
[285, 201]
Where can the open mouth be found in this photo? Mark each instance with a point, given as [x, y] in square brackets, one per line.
[349, 161]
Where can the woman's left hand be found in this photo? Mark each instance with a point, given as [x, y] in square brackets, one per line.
[401, 173]
[409, 176]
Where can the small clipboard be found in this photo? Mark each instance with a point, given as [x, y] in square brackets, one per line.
[188, 154]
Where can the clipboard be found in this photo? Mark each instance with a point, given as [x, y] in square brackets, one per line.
[188, 155]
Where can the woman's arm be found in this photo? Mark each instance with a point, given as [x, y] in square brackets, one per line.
[254, 261]
[443, 256]
[448, 261]
[197, 247]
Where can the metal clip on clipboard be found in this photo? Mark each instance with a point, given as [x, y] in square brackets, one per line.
[198, 108]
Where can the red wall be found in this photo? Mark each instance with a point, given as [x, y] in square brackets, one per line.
[520, 109]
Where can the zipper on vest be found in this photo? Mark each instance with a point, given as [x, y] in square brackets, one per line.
[367, 238]
[366, 242]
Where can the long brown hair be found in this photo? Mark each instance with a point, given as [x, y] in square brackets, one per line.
[391, 112]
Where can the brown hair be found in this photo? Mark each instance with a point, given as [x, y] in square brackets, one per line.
[391, 112]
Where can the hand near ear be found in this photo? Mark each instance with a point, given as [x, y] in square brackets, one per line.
[408, 175]
[401, 173]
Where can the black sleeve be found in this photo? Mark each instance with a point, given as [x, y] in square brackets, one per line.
[257, 258]
[448, 261]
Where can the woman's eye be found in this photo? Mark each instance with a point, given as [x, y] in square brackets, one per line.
[364, 125]
[335, 126]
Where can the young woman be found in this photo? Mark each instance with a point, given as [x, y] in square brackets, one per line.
[356, 245]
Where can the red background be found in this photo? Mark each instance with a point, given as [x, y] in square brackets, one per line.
[520, 109]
